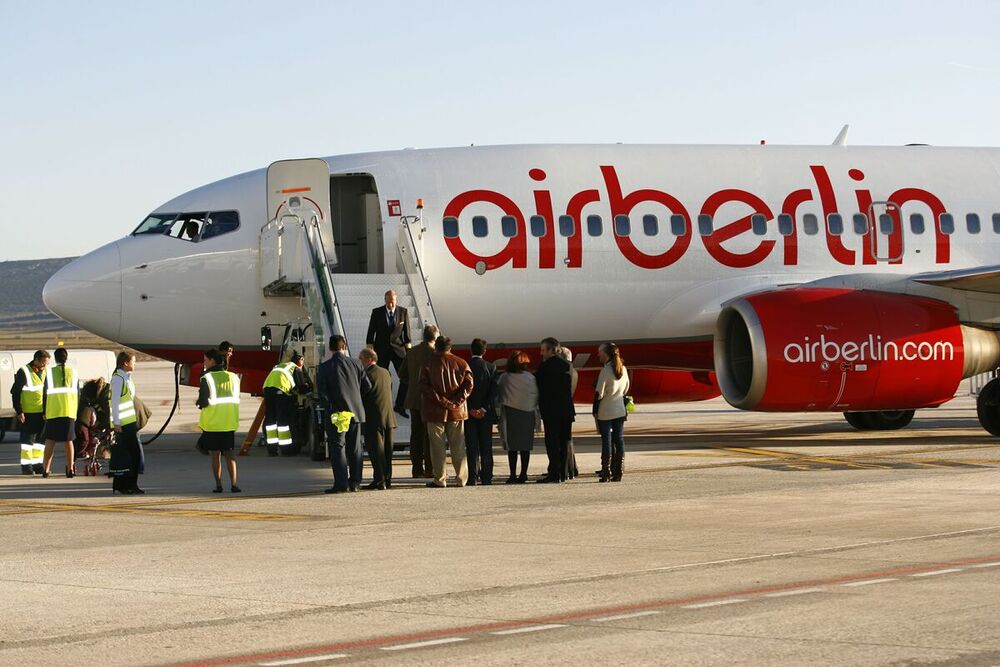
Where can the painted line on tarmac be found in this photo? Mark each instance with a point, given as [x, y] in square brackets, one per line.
[796, 591]
[937, 572]
[303, 661]
[694, 602]
[158, 511]
[625, 617]
[870, 582]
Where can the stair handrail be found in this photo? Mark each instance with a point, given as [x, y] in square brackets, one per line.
[404, 243]
[321, 272]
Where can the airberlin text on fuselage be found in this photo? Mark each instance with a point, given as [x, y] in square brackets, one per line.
[515, 252]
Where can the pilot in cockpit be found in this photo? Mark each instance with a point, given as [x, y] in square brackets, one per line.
[190, 230]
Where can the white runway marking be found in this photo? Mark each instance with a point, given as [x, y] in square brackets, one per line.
[431, 642]
[797, 591]
[937, 572]
[869, 582]
[623, 617]
[530, 628]
[717, 603]
[993, 564]
[302, 661]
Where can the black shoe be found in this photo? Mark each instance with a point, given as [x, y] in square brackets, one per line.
[388, 483]
[432, 485]
[136, 490]
[471, 482]
[355, 488]
[522, 479]
[45, 474]
[511, 480]
[547, 480]
[334, 489]
[27, 470]
[37, 468]
[372, 486]
[486, 482]
[217, 489]
[70, 474]
[401, 412]
[235, 489]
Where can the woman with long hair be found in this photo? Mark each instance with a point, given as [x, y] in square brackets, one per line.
[126, 458]
[518, 414]
[609, 410]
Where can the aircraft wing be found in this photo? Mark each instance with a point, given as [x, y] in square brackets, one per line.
[980, 279]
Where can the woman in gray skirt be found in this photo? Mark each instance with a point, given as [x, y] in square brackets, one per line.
[518, 414]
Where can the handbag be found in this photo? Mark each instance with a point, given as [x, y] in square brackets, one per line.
[142, 413]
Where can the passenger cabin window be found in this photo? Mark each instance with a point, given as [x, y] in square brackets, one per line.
[996, 223]
[786, 226]
[650, 226]
[537, 225]
[835, 223]
[508, 226]
[595, 226]
[759, 224]
[947, 223]
[860, 224]
[810, 224]
[480, 227]
[567, 226]
[450, 227]
[887, 224]
[623, 226]
[705, 225]
[678, 225]
[972, 222]
[917, 223]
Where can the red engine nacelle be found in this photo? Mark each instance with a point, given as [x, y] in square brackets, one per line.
[845, 350]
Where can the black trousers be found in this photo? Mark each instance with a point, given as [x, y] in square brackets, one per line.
[277, 420]
[420, 450]
[479, 449]
[378, 440]
[345, 456]
[558, 431]
[387, 359]
[128, 478]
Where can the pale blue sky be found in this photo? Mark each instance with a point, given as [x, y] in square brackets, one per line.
[111, 108]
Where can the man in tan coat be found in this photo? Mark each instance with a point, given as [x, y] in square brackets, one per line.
[445, 384]
[409, 372]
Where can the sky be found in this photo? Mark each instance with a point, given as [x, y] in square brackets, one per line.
[108, 109]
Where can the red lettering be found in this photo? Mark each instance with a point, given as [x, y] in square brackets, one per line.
[623, 205]
[829, 201]
[713, 242]
[543, 206]
[869, 245]
[516, 250]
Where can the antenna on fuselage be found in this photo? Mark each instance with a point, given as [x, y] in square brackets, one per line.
[841, 139]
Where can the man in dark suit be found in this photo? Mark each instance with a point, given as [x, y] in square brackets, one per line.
[379, 420]
[389, 335]
[479, 426]
[555, 402]
[342, 383]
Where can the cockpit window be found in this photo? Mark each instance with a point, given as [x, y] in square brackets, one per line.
[192, 227]
[157, 223]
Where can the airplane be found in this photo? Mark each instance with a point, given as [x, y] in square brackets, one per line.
[860, 280]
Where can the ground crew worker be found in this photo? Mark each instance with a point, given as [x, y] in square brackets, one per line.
[29, 385]
[61, 398]
[219, 400]
[278, 387]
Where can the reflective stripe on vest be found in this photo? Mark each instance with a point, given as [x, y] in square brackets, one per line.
[222, 413]
[281, 378]
[31, 392]
[61, 393]
[126, 405]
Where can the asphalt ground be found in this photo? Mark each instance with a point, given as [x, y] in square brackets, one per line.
[734, 538]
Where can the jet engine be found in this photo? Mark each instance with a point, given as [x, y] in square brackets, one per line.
[829, 349]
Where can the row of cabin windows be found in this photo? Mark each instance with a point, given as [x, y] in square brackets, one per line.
[677, 224]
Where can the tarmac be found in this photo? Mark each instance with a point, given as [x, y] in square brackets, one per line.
[734, 539]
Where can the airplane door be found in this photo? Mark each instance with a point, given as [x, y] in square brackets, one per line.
[887, 236]
[302, 188]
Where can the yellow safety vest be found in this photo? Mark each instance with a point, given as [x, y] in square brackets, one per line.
[62, 394]
[31, 392]
[222, 413]
[281, 378]
[126, 405]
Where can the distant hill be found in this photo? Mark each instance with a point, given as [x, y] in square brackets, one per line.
[21, 306]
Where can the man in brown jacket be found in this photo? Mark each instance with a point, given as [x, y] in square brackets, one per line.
[409, 372]
[445, 383]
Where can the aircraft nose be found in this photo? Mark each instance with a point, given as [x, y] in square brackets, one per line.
[87, 292]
